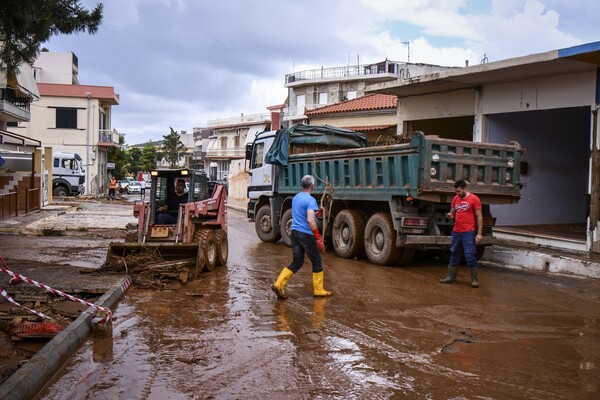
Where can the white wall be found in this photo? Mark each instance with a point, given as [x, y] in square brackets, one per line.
[54, 67]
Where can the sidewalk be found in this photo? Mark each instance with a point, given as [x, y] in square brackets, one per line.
[82, 218]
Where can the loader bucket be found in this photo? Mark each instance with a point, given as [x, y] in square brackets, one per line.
[183, 259]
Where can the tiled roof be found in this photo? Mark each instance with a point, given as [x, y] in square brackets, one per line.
[62, 90]
[365, 128]
[374, 101]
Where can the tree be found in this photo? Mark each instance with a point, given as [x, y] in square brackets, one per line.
[149, 154]
[26, 24]
[118, 156]
[135, 164]
[173, 149]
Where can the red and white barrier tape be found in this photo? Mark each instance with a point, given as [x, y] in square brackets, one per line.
[7, 297]
[107, 314]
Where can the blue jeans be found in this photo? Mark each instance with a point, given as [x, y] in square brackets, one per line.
[165, 218]
[463, 241]
[304, 243]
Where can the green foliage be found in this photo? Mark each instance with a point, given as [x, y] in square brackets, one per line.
[135, 163]
[149, 155]
[173, 149]
[118, 156]
[26, 24]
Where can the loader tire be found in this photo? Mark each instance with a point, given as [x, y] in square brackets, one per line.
[208, 245]
[222, 246]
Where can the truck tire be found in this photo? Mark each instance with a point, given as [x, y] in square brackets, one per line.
[264, 227]
[348, 233]
[380, 240]
[285, 227]
[208, 245]
[222, 246]
[60, 191]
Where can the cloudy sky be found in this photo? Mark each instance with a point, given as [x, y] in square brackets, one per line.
[180, 63]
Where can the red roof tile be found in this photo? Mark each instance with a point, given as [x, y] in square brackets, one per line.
[62, 90]
[365, 128]
[374, 101]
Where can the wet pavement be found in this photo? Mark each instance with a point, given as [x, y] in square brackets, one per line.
[388, 332]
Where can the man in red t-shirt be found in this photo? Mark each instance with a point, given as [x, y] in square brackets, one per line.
[465, 210]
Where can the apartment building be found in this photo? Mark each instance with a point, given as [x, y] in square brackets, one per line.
[72, 118]
[21, 157]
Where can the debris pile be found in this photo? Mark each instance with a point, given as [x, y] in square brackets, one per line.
[147, 268]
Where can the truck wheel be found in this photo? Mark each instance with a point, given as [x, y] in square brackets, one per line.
[348, 233]
[285, 227]
[222, 246]
[60, 191]
[264, 227]
[207, 244]
[380, 240]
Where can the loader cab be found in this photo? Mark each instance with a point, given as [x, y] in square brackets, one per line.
[163, 187]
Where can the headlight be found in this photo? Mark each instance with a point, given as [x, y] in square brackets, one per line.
[511, 163]
[433, 171]
[435, 157]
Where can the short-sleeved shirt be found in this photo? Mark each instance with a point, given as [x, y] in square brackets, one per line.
[143, 184]
[464, 217]
[301, 203]
[174, 201]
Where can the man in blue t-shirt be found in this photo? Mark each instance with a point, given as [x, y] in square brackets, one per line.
[305, 239]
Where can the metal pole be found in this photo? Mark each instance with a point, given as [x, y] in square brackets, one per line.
[87, 146]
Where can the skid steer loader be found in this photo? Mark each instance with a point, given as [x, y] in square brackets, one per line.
[199, 233]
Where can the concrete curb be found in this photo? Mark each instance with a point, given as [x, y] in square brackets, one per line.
[35, 374]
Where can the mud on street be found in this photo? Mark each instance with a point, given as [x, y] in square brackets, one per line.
[388, 332]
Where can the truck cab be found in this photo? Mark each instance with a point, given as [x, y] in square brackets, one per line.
[68, 175]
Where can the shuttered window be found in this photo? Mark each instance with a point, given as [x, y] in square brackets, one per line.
[66, 118]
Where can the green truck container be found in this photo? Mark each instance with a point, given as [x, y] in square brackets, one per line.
[385, 201]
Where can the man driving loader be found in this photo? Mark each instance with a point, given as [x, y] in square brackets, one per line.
[167, 211]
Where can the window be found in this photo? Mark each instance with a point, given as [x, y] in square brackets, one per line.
[66, 118]
[351, 95]
[300, 102]
[236, 141]
[257, 157]
[323, 98]
[223, 142]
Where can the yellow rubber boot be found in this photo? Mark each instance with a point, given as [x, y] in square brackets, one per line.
[318, 285]
[282, 280]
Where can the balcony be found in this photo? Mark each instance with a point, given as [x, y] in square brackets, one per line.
[226, 153]
[382, 71]
[108, 138]
[250, 119]
[14, 105]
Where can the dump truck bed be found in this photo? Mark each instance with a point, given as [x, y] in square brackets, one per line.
[426, 168]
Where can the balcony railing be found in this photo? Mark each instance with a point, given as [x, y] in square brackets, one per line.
[365, 70]
[107, 137]
[15, 98]
[242, 119]
[231, 152]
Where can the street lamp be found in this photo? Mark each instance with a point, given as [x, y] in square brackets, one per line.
[407, 44]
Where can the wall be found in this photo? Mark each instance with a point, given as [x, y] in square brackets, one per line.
[238, 185]
[55, 67]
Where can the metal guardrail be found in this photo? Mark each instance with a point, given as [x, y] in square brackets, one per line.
[385, 67]
[251, 118]
[234, 152]
[107, 136]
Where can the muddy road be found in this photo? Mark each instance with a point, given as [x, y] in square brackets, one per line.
[386, 333]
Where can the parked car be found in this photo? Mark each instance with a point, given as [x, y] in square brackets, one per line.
[122, 185]
[134, 187]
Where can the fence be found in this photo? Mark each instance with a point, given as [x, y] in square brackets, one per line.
[9, 203]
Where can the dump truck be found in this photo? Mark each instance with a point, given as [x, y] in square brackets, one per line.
[197, 240]
[385, 202]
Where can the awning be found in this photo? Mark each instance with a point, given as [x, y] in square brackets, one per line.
[212, 144]
[15, 142]
[26, 80]
[252, 131]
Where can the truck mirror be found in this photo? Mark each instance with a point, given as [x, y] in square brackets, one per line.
[249, 152]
